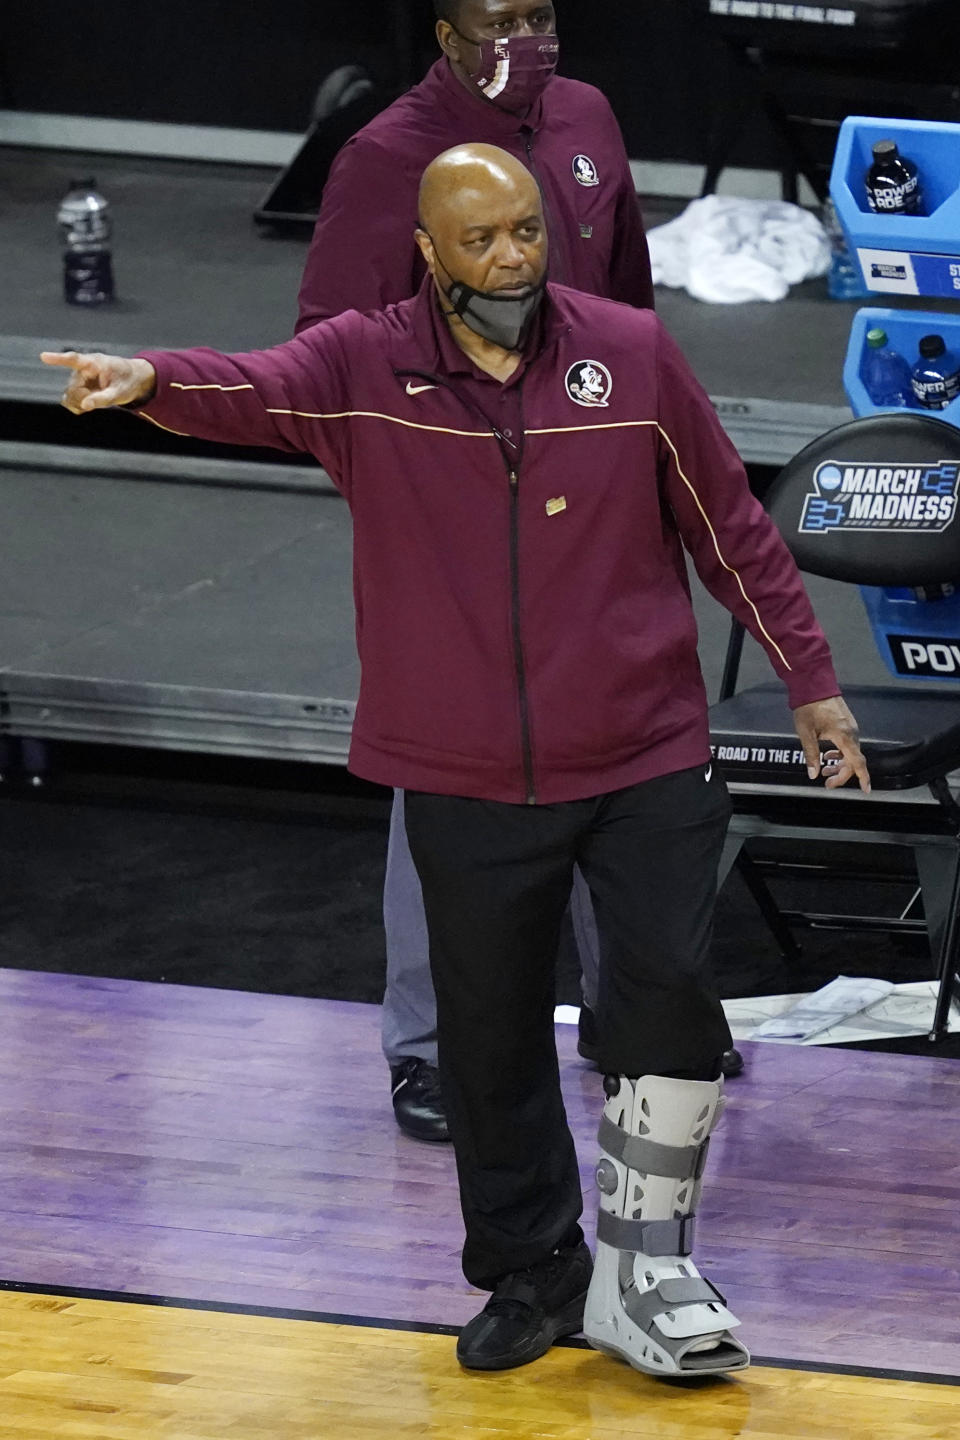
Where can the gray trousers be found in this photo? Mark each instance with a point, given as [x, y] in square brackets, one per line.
[409, 1022]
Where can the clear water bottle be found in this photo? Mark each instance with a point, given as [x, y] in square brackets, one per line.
[85, 227]
[844, 278]
[893, 185]
[936, 376]
[885, 373]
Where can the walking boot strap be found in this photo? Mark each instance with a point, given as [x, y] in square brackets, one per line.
[677, 1162]
[649, 1237]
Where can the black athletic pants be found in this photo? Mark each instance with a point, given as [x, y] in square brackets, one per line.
[496, 880]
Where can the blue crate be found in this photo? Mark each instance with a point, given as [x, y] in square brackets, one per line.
[902, 254]
[904, 329]
[917, 639]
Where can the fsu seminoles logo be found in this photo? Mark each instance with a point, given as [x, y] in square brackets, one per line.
[589, 383]
[585, 171]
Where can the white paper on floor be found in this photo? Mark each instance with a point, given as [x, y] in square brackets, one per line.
[906, 1010]
[823, 1009]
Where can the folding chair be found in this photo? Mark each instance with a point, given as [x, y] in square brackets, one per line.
[872, 503]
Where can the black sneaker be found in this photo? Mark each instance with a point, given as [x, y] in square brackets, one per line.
[528, 1311]
[417, 1100]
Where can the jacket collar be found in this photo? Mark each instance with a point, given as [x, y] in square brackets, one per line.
[457, 101]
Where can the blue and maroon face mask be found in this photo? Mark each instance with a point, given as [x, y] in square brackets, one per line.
[514, 72]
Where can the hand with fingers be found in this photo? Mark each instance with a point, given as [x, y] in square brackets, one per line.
[99, 381]
[831, 720]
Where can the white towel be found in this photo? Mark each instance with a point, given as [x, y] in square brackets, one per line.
[726, 250]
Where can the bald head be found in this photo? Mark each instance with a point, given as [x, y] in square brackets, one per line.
[472, 177]
[481, 220]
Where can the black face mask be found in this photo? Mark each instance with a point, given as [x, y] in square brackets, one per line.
[504, 320]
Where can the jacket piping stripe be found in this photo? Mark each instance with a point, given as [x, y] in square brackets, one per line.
[175, 385]
[716, 545]
[488, 435]
[378, 415]
[627, 424]
[144, 416]
[604, 425]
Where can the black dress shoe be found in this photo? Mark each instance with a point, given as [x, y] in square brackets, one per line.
[417, 1100]
[588, 1042]
[528, 1311]
[732, 1064]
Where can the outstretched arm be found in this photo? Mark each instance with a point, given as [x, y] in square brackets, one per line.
[292, 397]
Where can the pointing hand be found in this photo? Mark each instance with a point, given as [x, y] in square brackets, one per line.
[98, 381]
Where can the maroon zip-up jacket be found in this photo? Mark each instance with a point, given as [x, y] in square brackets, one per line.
[363, 255]
[523, 615]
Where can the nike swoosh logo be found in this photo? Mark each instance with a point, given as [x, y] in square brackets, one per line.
[708, 773]
[418, 389]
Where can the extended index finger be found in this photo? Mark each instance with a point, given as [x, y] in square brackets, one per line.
[69, 358]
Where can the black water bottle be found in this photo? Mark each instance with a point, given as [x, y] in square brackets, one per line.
[893, 185]
[85, 227]
[936, 375]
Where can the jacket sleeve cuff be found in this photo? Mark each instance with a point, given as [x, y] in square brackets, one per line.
[155, 358]
[818, 684]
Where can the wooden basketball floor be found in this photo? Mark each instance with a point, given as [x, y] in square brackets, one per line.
[211, 1227]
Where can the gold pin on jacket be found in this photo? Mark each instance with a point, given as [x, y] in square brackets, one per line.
[554, 506]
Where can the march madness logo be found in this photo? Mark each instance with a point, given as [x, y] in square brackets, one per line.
[881, 497]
